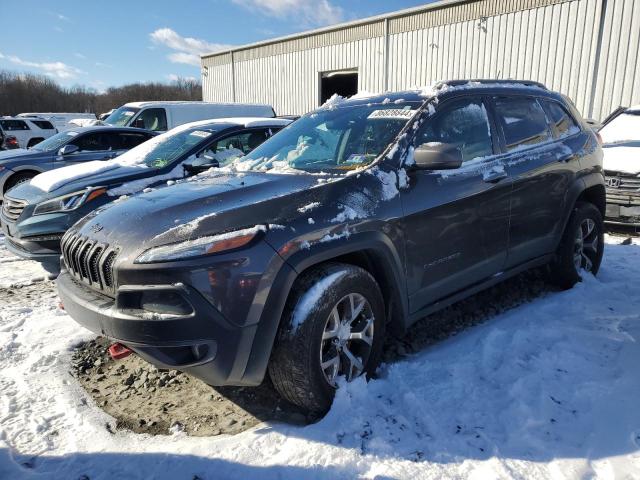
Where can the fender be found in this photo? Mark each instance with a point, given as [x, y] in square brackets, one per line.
[577, 188]
[8, 172]
[369, 242]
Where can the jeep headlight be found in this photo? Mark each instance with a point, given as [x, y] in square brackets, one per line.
[201, 246]
[67, 203]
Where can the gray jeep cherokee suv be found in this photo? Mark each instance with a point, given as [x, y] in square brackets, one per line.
[365, 215]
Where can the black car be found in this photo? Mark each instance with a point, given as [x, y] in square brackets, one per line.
[71, 147]
[363, 216]
[36, 214]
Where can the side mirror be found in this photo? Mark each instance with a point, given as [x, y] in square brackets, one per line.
[200, 165]
[437, 156]
[68, 150]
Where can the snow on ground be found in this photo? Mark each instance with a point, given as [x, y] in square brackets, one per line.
[15, 271]
[547, 390]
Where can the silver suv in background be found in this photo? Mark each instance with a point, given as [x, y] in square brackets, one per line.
[28, 131]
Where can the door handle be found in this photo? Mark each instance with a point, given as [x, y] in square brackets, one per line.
[568, 158]
[494, 177]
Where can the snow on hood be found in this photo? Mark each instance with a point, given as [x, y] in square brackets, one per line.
[53, 179]
[622, 159]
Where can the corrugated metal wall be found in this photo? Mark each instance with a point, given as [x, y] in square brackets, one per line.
[566, 44]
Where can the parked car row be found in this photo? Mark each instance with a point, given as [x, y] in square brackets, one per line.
[236, 249]
[38, 213]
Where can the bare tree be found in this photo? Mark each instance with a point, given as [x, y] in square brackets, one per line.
[39, 93]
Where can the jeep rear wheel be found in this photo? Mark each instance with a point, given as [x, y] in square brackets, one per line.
[333, 326]
[581, 248]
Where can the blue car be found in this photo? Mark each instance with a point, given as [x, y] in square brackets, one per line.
[67, 148]
[36, 214]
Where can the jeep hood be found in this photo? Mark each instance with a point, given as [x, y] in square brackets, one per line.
[201, 206]
[623, 158]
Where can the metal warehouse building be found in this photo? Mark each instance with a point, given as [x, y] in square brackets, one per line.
[587, 49]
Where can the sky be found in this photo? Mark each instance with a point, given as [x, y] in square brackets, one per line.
[103, 44]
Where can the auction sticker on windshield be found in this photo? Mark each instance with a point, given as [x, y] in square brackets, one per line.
[396, 113]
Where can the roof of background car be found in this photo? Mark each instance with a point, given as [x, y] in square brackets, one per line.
[634, 108]
[94, 128]
[179, 102]
[223, 123]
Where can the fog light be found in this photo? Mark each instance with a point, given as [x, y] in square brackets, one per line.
[165, 302]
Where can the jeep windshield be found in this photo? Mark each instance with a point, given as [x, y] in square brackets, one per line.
[121, 117]
[343, 138]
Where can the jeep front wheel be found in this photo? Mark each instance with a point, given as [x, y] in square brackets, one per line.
[333, 326]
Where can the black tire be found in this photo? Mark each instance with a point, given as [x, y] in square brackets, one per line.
[563, 269]
[34, 141]
[17, 179]
[295, 365]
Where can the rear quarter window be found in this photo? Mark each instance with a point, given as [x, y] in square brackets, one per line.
[563, 124]
[43, 124]
[523, 122]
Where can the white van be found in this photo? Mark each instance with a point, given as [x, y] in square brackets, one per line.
[59, 120]
[163, 116]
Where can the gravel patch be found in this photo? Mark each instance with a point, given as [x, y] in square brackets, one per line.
[145, 399]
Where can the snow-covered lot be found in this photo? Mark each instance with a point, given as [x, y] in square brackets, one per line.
[550, 389]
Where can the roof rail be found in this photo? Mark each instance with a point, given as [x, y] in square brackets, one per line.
[487, 81]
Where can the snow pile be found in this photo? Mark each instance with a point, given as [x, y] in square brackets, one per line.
[548, 390]
[17, 271]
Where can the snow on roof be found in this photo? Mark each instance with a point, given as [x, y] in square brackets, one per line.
[178, 102]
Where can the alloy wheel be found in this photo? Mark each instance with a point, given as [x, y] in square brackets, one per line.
[347, 338]
[586, 244]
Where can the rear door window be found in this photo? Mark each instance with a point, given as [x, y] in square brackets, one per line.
[92, 142]
[14, 125]
[463, 123]
[563, 124]
[43, 124]
[523, 122]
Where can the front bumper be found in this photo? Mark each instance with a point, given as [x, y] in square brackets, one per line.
[623, 208]
[37, 237]
[43, 249]
[216, 331]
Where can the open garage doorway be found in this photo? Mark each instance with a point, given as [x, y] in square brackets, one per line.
[342, 82]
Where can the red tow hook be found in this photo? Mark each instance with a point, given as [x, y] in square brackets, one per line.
[119, 351]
